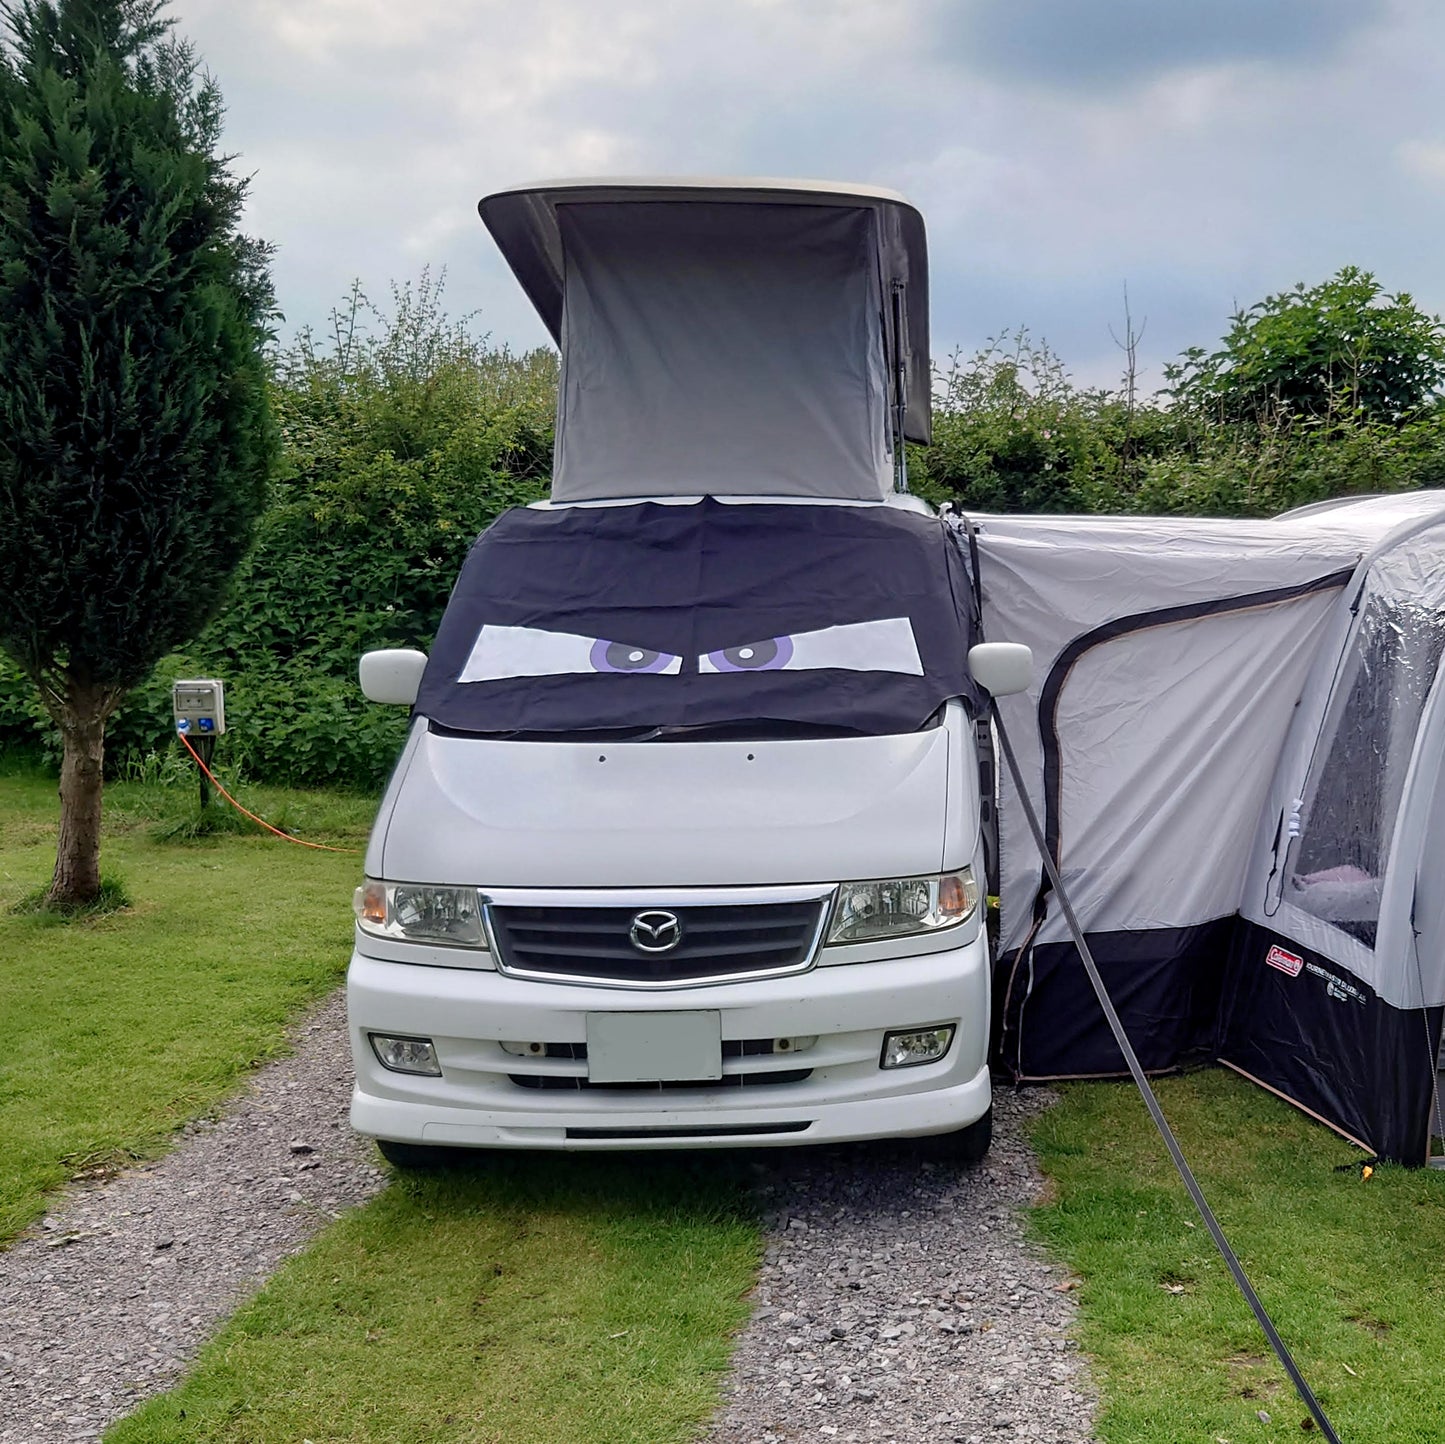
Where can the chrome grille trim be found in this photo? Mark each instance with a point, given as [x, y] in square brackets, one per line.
[586, 942]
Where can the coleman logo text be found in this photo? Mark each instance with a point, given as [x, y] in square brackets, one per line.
[1286, 962]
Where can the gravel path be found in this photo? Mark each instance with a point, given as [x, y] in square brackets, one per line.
[900, 1301]
[897, 1300]
[108, 1299]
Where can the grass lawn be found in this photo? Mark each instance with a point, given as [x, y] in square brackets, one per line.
[120, 1028]
[1352, 1271]
[540, 1300]
[577, 1298]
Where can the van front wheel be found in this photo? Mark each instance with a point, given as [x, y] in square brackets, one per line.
[963, 1145]
[425, 1157]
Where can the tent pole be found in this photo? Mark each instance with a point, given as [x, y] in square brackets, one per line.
[1196, 1193]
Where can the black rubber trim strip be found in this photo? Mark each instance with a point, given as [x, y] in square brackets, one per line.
[1191, 1184]
[741, 1130]
[1064, 663]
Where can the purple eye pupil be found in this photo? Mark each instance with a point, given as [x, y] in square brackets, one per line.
[627, 657]
[766, 656]
[622, 658]
[757, 654]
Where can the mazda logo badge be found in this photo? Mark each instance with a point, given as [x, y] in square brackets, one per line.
[655, 931]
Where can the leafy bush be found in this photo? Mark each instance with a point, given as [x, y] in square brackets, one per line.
[1273, 420]
[1344, 348]
[1013, 433]
[1269, 468]
[400, 448]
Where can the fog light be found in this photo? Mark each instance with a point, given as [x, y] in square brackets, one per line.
[917, 1045]
[406, 1055]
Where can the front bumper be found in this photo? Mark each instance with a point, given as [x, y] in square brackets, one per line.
[845, 1095]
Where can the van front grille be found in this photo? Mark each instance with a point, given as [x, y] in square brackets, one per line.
[595, 944]
[564, 1083]
[734, 1130]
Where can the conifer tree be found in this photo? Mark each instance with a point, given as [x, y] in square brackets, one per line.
[135, 435]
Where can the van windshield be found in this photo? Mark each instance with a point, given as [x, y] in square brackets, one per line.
[702, 620]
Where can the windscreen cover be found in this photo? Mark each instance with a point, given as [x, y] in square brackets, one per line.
[653, 616]
[723, 348]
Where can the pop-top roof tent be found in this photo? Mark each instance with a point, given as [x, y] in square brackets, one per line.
[1235, 740]
[725, 337]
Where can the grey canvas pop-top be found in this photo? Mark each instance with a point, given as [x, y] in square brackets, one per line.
[748, 338]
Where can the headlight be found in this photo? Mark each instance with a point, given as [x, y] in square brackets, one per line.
[420, 913]
[900, 906]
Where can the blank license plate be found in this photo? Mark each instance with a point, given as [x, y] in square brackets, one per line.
[653, 1047]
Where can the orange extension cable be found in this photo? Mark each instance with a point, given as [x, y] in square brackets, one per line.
[260, 821]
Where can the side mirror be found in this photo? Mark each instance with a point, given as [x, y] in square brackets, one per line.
[1001, 668]
[393, 675]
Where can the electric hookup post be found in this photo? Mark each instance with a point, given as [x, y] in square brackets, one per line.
[200, 710]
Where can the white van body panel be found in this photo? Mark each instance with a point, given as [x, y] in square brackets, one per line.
[662, 814]
[668, 824]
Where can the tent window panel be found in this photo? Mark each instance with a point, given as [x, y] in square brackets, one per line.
[1354, 792]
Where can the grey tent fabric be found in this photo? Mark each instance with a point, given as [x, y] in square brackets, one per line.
[724, 349]
[725, 337]
[1166, 696]
[1336, 990]
[1342, 840]
[1178, 649]
[1237, 743]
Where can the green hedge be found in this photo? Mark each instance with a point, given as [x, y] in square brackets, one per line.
[1012, 433]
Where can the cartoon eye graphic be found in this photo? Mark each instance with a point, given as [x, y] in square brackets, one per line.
[620, 657]
[502, 653]
[770, 656]
[887, 645]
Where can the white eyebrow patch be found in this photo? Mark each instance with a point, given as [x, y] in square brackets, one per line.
[887, 645]
[501, 653]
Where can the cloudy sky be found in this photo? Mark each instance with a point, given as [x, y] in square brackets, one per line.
[1205, 152]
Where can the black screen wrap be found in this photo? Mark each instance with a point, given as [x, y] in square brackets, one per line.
[689, 581]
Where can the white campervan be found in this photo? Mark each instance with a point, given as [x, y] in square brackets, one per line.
[684, 846]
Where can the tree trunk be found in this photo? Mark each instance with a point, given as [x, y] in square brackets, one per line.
[77, 853]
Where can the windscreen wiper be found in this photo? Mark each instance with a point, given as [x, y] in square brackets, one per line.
[760, 730]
